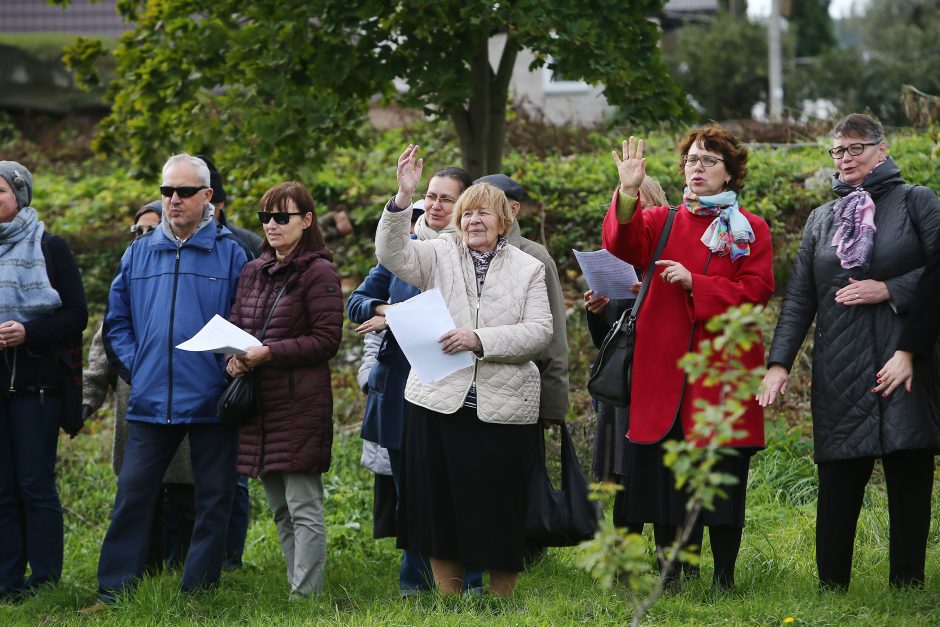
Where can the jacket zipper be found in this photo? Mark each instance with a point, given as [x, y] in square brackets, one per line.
[169, 394]
[476, 325]
[261, 421]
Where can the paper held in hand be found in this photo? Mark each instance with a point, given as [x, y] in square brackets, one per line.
[220, 336]
[607, 275]
[417, 323]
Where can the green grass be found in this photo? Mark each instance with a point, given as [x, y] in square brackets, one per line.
[776, 569]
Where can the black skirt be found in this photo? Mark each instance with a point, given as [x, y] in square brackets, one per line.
[384, 507]
[649, 494]
[464, 488]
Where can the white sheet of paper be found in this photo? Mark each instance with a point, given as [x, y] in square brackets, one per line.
[220, 336]
[606, 274]
[417, 323]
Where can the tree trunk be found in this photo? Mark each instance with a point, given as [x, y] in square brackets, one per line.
[481, 125]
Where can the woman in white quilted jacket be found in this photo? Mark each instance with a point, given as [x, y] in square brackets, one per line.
[471, 438]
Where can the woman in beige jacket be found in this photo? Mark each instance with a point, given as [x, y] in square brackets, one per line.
[470, 438]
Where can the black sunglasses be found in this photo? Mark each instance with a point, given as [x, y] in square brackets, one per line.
[183, 192]
[141, 229]
[280, 217]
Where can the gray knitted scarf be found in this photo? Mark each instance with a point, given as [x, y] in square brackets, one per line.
[25, 291]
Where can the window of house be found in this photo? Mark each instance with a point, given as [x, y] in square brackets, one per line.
[555, 82]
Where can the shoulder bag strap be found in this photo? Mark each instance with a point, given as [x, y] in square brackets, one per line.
[264, 329]
[648, 275]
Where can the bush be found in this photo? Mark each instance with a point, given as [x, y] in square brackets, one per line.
[567, 193]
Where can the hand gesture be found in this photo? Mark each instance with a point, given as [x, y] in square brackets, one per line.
[631, 168]
[12, 333]
[595, 304]
[409, 175]
[235, 368]
[457, 340]
[774, 383]
[897, 371]
[864, 292]
[674, 272]
[375, 324]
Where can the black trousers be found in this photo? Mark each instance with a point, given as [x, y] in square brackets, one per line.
[725, 541]
[909, 479]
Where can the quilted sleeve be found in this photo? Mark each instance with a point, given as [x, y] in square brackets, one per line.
[903, 287]
[410, 260]
[799, 303]
[923, 324]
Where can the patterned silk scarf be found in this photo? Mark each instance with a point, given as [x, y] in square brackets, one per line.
[481, 261]
[729, 232]
[854, 237]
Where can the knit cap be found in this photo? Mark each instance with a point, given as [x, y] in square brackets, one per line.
[20, 181]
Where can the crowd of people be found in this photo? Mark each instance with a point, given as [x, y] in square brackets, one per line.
[453, 458]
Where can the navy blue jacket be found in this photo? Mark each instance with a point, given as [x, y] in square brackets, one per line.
[160, 297]
[385, 404]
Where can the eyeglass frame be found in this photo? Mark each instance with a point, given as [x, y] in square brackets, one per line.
[433, 198]
[848, 149]
[273, 215]
[685, 160]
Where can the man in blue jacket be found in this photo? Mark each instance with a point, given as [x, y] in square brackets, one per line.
[169, 284]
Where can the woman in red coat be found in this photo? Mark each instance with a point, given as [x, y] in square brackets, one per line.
[288, 442]
[717, 256]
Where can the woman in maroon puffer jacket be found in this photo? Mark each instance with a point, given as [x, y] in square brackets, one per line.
[288, 442]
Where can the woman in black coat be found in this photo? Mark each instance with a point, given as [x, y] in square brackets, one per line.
[42, 315]
[855, 274]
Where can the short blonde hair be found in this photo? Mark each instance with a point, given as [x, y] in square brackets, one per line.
[484, 195]
[652, 194]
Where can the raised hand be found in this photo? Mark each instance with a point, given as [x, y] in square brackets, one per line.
[409, 175]
[631, 166]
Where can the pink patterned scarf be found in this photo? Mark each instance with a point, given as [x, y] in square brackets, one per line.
[855, 235]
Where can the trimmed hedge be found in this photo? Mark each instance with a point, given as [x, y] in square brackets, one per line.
[567, 194]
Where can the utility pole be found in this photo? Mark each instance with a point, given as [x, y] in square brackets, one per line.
[776, 69]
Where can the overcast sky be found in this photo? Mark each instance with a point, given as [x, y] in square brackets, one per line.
[837, 8]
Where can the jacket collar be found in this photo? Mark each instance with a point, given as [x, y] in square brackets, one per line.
[515, 234]
[204, 238]
[298, 259]
[886, 175]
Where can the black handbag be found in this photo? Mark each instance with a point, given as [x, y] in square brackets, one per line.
[562, 517]
[611, 370]
[238, 402]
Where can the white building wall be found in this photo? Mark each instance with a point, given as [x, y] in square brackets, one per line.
[564, 102]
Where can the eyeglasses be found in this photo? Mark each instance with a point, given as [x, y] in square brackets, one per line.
[142, 229]
[690, 161]
[280, 217]
[433, 198]
[853, 149]
[183, 192]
